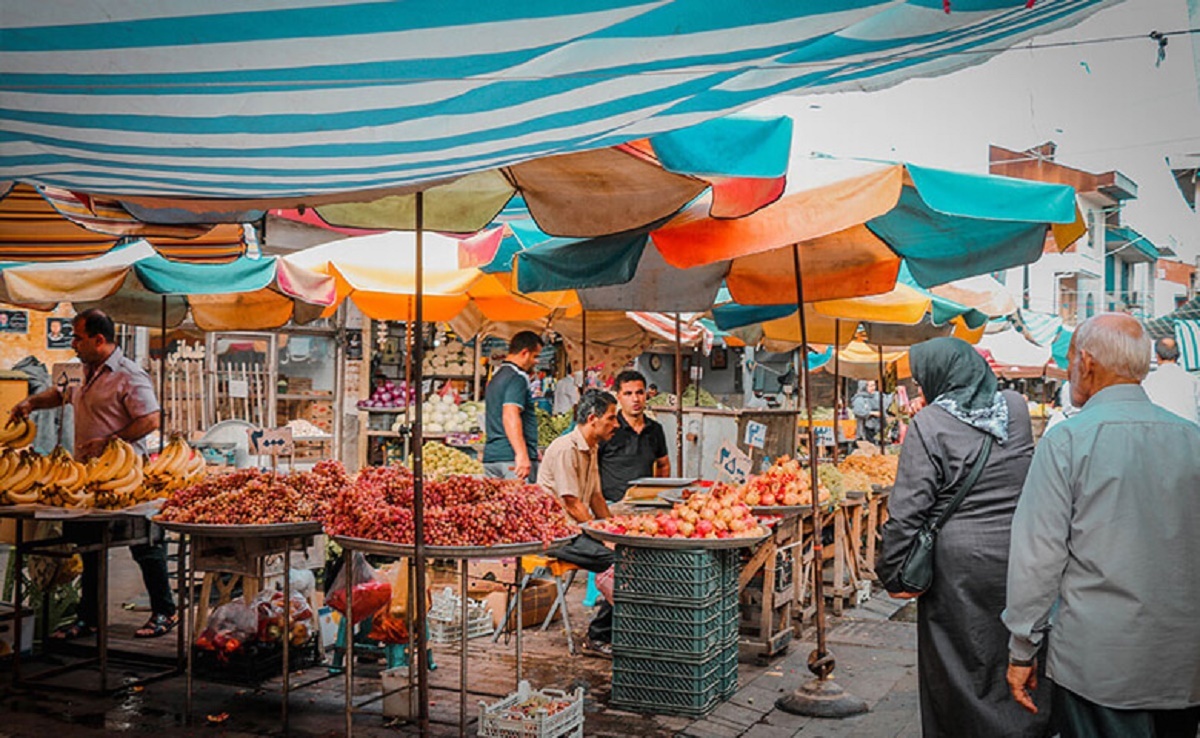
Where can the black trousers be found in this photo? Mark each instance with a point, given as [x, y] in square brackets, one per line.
[151, 558]
[590, 554]
[1077, 717]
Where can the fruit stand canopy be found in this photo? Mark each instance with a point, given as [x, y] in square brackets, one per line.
[187, 101]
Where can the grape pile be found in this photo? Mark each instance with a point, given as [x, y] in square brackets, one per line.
[252, 497]
[440, 460]
[459, 510]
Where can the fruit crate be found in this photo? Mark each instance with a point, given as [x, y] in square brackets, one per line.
[676, 687]
[509, 718]
[728, 684]
[669, 577]
[445, 618]
[253, 664]
[641, 628]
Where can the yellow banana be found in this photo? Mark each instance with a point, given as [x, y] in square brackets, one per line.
[128, 458]
[23, 498]
[8, 464]
[12, 429]
[100, 467]
[27, 437]
[127, 486]
[23, 479]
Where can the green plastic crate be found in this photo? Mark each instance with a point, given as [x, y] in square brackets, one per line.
[662, 686]
[669, 577]
[728, 683]
[668, 632]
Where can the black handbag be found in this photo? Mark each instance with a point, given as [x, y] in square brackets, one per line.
[916, 573]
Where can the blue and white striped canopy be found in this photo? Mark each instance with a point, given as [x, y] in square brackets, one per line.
[266, 98]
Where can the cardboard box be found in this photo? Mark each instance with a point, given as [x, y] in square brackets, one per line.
[8, 630]
[497, 570]
[536, 601]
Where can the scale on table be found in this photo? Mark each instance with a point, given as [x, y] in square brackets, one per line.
[657, 490]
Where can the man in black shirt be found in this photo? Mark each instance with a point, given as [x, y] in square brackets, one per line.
[639, 447]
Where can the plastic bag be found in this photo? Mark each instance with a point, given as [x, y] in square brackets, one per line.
[229, 627]
[370, 592]
[271, 623]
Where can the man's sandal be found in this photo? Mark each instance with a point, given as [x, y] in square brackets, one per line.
[157, 626]
[77, 629]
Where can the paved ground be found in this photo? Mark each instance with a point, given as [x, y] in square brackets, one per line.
[874, 645]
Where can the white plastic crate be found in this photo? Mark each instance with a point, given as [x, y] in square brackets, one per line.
[445, 618]
[506, 719]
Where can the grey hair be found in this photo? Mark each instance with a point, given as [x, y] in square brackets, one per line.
[594, 402]
[1123, 352]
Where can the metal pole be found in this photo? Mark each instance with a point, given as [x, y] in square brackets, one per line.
[837, 386]
[418, 478]
[678, 399]
[821, 696]
[817, 661]
[162, 380]
[583, 347]
[882, 411]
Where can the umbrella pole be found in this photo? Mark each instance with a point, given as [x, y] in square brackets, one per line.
[418, 476]
[162, 379]
[837, 386]
[820, 696]
[678, 400]
[882, 411]
[583, 346]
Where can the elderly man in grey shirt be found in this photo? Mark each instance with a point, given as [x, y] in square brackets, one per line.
[1105, 546]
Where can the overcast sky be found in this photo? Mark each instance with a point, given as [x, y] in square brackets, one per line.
[1107, 106]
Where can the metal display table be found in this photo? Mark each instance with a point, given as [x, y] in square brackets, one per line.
[463, 554]
[272, 539]
[107, 529]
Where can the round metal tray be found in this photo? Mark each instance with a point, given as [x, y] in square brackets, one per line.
[500, 550]
[268, 530]
[676, 544]
[784, 510]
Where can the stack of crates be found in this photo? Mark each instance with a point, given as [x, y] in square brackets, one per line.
[675, 630]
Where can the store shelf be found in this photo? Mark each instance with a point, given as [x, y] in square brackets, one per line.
[449, 376]
[382, 410]
[384, 434]
[314, 439]
[326, 396]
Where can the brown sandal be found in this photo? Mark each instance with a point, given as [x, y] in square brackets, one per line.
[77, 629]
[157, 626]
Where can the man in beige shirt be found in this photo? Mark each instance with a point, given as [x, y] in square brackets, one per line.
[570, 469]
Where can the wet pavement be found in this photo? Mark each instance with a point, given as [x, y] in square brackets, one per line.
[874, 645]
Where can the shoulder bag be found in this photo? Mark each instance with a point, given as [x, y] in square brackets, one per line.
[916, 573]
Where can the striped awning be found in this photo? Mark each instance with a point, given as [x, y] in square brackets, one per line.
[260, 99]
[1164, 326]
[1041, 328]
[49, 224]
[1187, 337]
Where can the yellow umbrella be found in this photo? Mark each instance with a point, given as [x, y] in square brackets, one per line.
[378, 273]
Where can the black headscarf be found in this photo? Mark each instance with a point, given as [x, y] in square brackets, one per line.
[954, 376]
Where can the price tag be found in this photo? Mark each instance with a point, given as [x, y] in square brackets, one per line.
[732, 462]
[67, 374]
[239, 388]
[696, 373]
[270, 441]
[756, 434]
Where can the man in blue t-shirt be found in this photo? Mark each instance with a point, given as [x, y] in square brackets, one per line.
[510, 451]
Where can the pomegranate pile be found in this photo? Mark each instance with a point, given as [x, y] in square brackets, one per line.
[459, 510]
[708, 515]
[785, 483]
[253, 497]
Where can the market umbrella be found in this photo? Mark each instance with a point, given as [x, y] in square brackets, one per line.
[294, 101]
[380, 274]
[137, 286]
[853, 234]
[1013, 356]
[51, 224]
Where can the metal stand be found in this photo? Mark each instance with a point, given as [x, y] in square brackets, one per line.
[24, 548]
[820, 697]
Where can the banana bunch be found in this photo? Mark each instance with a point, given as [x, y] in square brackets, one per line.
[115, 476]
[18, 433]
[178, 466]
[20, 476]
[63, 481]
